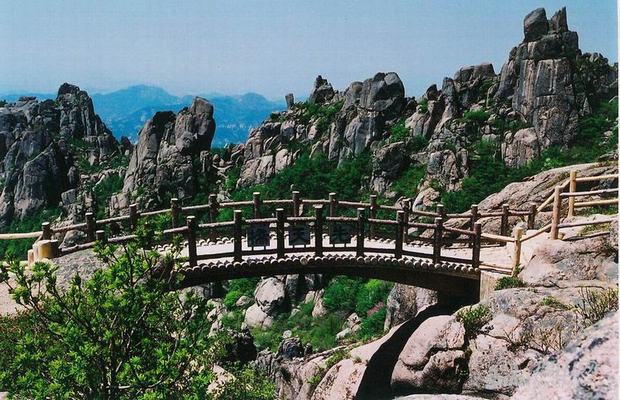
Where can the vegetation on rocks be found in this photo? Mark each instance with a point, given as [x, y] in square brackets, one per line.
[473, 318]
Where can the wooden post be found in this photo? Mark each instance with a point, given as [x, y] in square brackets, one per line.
[296, 203]
[91, 226]
[100, 236]
[47, 231]
[407, 213]
[556, 213]
[359, 243]
[475, 256]
[373, 214]
[441, 211]
[318, 230]
[472, 221]
[237, 233]
[572, 187]
[333, 203]
[280, 219]
[256, 204]
[531, 217]
[400, 227]
[516, 256]
[213, 211]
[438, 240]
[133, 216]
[175, 211]
[191, 240]
[504, 224]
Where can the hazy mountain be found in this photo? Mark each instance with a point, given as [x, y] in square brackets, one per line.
[125, 111]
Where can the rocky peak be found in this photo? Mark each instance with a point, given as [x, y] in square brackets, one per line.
[322, 91]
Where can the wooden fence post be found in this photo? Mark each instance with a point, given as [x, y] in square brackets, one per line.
[373, 214]
[359, 243]
[237, 233]
[472, 221]
[572, 187]
[133, 216]
[400, 227]
[296, 203]
[504, 223]
[100, 236]
[333, 203]
[407, 213]
[531, 217]
[318, 230]
[475, 257]
[91, 226]
[516, 256]
[213, 211]
[438, 238]
[256, 204]
[280, 219]
[191, 240]
[556, 213]
[441, 211]
[46, 230]
[175, 211]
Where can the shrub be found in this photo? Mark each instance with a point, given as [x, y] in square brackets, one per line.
[372, 326]
[399, 132]
[551, 301]
[370, 294]
[423, 105]
[476, 116]
[407, 184]
[237, 288]
[473, 318]
[595, 304]
[417, 143]
[341, 294]
[507, 282]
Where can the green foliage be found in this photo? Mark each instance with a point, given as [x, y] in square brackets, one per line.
[238, 288]
[122, 334]
[594, 305]
[507, 282]
[423, 105]
[326, 112]
[551, 301]
[18, 249]
[417, 143]
[104, 190]
[407, 184]
[370, 294]
[315, 177]
[399, 132]
[341, 294]
[372, 326]
[473, 318]
[476, 116]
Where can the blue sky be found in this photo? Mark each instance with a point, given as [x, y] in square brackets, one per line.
[270, 47]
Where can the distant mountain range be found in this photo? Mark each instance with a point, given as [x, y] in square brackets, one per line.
[125, 111]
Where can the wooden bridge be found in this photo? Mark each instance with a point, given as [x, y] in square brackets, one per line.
[258, 237]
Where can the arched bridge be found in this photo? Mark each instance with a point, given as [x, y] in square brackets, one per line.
[227, 240]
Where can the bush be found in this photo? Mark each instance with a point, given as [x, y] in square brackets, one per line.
[399, 132]
[237, 288]
[507, 282]
[370, 294]
[341, 294]
[372, 326]
[476, 116]
[551, 301]
[596, 304]
[407, 184]
[473, 318]
[423, 105]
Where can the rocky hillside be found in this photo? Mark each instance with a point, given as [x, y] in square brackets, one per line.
[537, 102]
[45, 148]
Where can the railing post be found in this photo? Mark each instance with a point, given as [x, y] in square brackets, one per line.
[516, 256]
[556, 213]
[472, 221]
[531, 217]
[406, 215]
[46, 230]
[373, 214]
[296, 203]
[175, 211]
[191, 240]
[256, 204]
[572, 187]
[333, 203]
[213, 211]
[237, 235]
[318, 230]
[504, 223]
[280, 219]
[359, 243]
[91, 226]
[100, 236]
[437, 240]
[400, 227]
[441, 211]
[133, 216]
[475, 256]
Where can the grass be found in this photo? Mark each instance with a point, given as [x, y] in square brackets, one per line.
[473, 318]
[508, 282]
[551, 301]
[594, 305]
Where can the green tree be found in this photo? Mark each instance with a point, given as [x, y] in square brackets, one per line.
[122, 334]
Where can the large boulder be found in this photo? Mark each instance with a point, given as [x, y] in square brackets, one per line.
[405, 302]
[322, 91]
